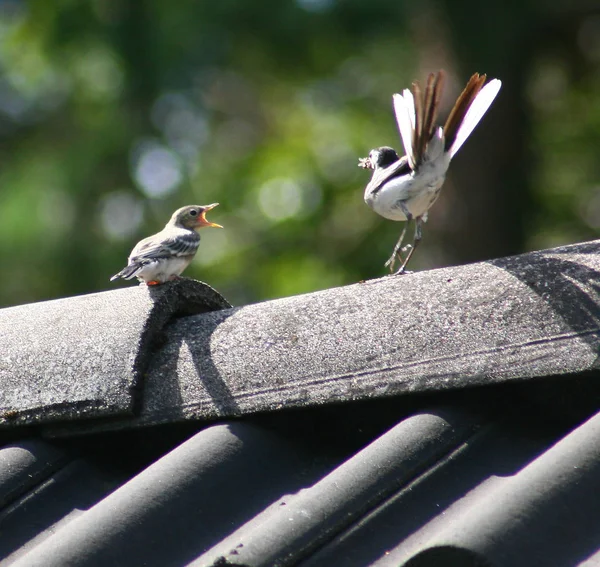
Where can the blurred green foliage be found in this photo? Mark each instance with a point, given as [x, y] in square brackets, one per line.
[113, 113]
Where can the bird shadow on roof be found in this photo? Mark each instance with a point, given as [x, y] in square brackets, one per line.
[163, 395]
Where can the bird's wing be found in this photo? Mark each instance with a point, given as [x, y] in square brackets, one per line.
[478, 108]
[404, 108]
[381, 176]
[163, 246]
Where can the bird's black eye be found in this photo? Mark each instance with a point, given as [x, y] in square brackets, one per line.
[193, 212]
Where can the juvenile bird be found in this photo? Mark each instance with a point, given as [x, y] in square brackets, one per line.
[404, 188]
[164, 255]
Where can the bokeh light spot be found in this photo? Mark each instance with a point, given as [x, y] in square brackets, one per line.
[283, 198]
[56, 211]
[316, 6]
[179, 120]
[99, 73]
[121, 214]
[157, 170]
[590, 209]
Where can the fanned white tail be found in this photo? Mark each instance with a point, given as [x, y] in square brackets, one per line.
[478, 108]
[404, 108]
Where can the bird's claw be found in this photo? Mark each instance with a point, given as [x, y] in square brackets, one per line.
[390, 263]
[396, 256]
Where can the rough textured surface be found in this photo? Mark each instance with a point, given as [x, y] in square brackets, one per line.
[297, 524]
[84, 356]
[24, 465]
[519, 318]
[516, 508]
[366, 484]
[453, 476]
[192, 482]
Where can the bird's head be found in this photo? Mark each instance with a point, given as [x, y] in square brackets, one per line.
[379, 158]
[193, 216]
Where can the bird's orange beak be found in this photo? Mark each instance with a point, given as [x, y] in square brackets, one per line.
[202, 222]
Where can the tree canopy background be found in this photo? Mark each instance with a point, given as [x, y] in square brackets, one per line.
[113, 113]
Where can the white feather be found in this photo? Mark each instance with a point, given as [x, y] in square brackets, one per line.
[410, 105]
[435, 147]
[478, 108]
[404, 108]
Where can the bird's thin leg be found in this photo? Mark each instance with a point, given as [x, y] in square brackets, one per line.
[396, 253]
[416, 240]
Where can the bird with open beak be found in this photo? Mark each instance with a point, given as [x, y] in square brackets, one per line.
[404, 188]
[163, 256]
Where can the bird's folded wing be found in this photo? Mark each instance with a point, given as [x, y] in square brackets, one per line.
[167, 247]
[381, 176]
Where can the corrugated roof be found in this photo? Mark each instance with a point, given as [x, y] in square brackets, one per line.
[446, 418]
[447, 486]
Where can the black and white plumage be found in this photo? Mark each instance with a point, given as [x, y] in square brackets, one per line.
[404, 188]
[164, 255]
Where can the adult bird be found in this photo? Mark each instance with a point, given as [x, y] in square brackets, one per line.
[164, 255]
[405, 188]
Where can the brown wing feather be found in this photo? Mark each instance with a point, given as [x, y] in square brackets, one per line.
[433, 94]
[418, 133]
[438, 89]
[461, 107]
[426, 114]
[426, 111]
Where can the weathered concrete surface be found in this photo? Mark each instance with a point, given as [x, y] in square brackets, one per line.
[524, 317]
[112, 356]
[84, 356]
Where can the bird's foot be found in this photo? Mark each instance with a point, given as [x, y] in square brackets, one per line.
[401, 272]
[153, 282]
[396, 256]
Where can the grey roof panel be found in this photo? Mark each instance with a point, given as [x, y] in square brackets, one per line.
[441, 487]
[180, 505]
[493, 479]
[545, 514]
[298, 524]
[24, 465]
[524, 317]
[508, 498]
[84, 356]
[58, 487]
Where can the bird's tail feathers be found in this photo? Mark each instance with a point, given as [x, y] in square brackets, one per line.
[416, 113]
[436, 145]
[404, 109]
[468, 110]
[431, 104]
[127, 273]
